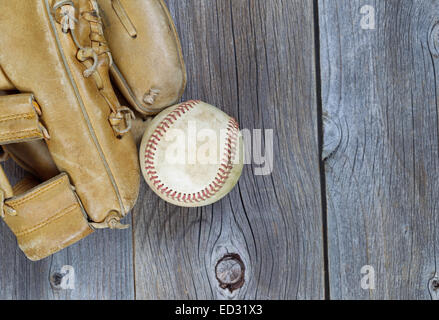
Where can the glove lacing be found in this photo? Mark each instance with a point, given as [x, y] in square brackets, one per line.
[120, 115]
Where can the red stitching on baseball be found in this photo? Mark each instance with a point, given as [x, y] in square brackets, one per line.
[224, 170]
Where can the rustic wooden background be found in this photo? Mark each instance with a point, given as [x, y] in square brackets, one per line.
[354, 114]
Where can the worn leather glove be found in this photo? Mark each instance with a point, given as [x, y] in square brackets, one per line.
[148, 63]
[148, 68]
[54, 55]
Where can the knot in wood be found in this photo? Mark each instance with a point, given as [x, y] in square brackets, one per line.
[230, 272]
[433, 288]
[433, 42]
[56, 279]
[332, 136]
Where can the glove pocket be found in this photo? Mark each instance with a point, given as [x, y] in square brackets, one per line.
[46, 218]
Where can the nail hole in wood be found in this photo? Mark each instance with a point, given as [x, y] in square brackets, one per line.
[230, 272]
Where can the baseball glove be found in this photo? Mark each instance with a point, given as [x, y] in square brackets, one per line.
[147, 67]
[54, 56]
[148, 63]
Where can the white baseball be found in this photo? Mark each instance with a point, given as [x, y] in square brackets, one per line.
[192, 154]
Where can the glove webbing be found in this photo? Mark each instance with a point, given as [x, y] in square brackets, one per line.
[65, 13]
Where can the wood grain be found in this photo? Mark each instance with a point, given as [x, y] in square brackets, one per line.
[254, 60]
[380, 91]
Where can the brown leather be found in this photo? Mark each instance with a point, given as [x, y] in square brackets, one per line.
[80, 111]
[5, 84]
[25, 184]
[149, 67]
[153, 59]
[5, 187]
[34, 157]
[19, 119]
[48, 218]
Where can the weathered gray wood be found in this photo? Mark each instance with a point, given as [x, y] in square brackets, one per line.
[380, 91]
[255, 60]
[103, 265]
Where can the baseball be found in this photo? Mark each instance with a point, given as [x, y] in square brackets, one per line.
[191, 154]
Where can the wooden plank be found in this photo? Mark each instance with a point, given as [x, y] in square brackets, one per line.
[380, 89]
[103, 265]
[255, 60]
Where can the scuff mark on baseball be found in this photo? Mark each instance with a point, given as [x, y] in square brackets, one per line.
[191, 154]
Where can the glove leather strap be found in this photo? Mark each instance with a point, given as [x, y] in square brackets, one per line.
[124, 18]
[47, 218]
[19, 121]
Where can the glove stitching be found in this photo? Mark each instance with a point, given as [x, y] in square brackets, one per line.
[13, 133]
[7, 137]
[34, 195]
[18, 116]
[55, 217]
